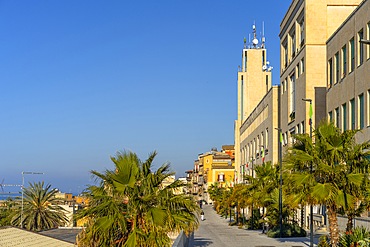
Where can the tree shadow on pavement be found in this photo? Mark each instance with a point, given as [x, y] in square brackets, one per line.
[201, 242]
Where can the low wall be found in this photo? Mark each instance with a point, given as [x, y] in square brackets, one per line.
[182, 240]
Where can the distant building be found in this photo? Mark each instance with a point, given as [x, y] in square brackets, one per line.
[214, 167]
[255, 135]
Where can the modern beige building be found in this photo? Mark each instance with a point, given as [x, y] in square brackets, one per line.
[304, 31]
[348, 73]
[257, 110]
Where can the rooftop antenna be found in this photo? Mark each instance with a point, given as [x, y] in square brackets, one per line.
[263, 35]
[255, 40]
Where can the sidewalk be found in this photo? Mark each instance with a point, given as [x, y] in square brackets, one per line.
[214, 231]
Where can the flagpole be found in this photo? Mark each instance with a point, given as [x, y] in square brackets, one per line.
[311, 207]
[281, 180]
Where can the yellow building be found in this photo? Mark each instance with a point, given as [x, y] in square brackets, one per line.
[348, 67]
[213, 167]
[257, 110]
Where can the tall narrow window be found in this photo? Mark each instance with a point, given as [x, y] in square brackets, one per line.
[297, 70]
[286, 84]
[302, 127]
[292, 94]
[292, 42]
[267, 138]
[353, 114]
[368, 107]
[337, 76]
[361, 110]
[360, 36]
[344, 117]
[285, 53]
[330, 116]
[337, 117]
[368, 38]
[352, 54]
[301, 30]
[330, 73]
[344, 61]
[302, 65]
[242, 98]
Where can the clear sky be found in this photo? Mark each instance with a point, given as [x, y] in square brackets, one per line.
[81, 80]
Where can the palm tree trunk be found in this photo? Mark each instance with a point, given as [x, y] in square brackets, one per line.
[349, 226]
[302, 216]
[333, 225]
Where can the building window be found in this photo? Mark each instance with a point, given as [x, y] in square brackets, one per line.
[337, 117]
[285, 53]
[353, 114]
[330, 116]
[361, 110]
[302, 127]
[368, 107]
[352, 54]
[297, 72]
[220, 178]
[337, 70]
[267, 138]
[330, 73]
[292, 94]
[344, 61]
[344, 117]
[360, 49]
[292, 42]
[302, 66]
[368, 38]
[298, 129]
[301, 30]
[285, 84]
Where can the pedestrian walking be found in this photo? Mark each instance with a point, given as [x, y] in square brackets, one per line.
[202, 215]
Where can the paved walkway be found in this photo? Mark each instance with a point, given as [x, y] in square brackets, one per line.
[214, 231]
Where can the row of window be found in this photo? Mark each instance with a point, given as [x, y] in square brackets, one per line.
[289, 44]
[352, 115]
[288, 136]
[253, 150]
[344, 61]
[290, 84]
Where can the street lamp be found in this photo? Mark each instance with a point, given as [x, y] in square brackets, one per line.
[364, 41]
[311, 207]
[281, 179]
[26, 173]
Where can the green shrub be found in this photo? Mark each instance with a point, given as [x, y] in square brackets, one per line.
[289, 230]
[324, 241]
[360, 236]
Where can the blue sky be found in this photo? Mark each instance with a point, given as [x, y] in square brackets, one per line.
[81, 80]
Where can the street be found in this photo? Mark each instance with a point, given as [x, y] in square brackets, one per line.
[214, 231]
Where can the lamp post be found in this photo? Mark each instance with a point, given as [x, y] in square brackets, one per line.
[25, 173]
[311, 207]
[281, 180]
[364, 41]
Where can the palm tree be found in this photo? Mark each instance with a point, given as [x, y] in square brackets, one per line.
[132, 207]
[331, 182]
[40, 209]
